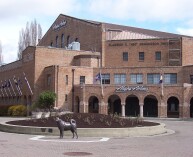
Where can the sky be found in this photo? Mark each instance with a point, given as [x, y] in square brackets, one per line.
[174, 16]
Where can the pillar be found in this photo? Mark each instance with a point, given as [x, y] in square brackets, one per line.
[123, 110]
[141, 109]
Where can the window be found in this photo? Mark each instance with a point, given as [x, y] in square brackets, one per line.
[82, 79]
[141, 56]
[125, 56]
[191, 79]
[62, 41]
[66, 79]
[170, 78]
[158, 56]
[49, 80]
[66, 97]
[153, 78]
[68, 40]
[76, 40]
[56, 41]
[105, 78]
[136, 78]
[119, 78]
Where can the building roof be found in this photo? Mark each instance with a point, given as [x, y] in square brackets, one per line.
[120, 32]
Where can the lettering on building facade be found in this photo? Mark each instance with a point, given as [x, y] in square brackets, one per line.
[59, 25]
[133, 88]
[141, 44]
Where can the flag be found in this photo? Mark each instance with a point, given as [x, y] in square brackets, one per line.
[161, 79]
[17, 85]
[27, 83]
[7, 85]
[98, 77]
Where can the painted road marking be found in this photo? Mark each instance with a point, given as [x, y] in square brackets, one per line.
[39, 138]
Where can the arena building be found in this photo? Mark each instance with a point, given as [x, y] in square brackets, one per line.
[105, 68]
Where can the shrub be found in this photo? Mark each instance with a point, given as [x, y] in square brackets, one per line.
[46, 99]
[17, 110]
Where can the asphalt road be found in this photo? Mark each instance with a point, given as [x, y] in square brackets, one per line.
[177, 143]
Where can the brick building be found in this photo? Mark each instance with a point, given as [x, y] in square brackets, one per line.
[105, 68]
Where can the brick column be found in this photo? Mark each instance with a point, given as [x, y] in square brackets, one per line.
[186, 110]
[162, 109]
[103, 107]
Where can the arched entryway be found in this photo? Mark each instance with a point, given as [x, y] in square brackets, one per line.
[114, 105]
[77, 104]
[173, 107]
[132, 106]
[150, 108]
[191, 108]
[93, 105]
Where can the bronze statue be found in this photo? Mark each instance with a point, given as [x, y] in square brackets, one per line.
[64, 126]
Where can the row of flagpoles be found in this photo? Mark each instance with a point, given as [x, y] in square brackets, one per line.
[7, 88]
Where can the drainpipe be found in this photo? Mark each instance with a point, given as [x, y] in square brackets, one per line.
[73, 90]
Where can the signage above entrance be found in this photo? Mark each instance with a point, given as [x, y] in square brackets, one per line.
[133, 88]
[59, 25]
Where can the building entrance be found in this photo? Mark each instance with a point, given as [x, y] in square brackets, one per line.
[173, 107]
[93, 105]
[132, 106]
[114, 105]
[150, 108]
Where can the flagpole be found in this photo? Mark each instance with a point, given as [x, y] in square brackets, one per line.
[12, 87]
[102, 92]
[28, 83]
[4, 88]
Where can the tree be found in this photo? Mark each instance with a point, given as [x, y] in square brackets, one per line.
[1, 57]
[46, 99]
[29, 37]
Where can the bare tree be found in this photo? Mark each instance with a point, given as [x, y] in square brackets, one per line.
[1, 57]
[29, 37]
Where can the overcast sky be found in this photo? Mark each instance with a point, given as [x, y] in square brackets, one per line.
[175, 16]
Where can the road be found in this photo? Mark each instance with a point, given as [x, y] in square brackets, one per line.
[177, 143]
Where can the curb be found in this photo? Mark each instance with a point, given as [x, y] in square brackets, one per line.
[87, 132]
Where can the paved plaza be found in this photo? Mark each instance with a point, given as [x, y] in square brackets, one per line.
[177, 143]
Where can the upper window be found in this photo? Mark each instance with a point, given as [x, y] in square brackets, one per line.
[137, 78]
[66, 80]
[49, 80]
[76, 40]
[158, 56]
[56, 41]
[119, 78]
[62, 41]
[125, 56]
[153, 78]
[105, 78]
[141, 56]
[68, 40]
[170, 78]
[82, 79]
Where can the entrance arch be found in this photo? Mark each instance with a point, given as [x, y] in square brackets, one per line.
[150, 108]
[132, 106]
[114, 104]
[191, 108]
[93, 105]
[173, 107]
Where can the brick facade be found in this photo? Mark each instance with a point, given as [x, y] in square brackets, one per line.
[131, 62]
